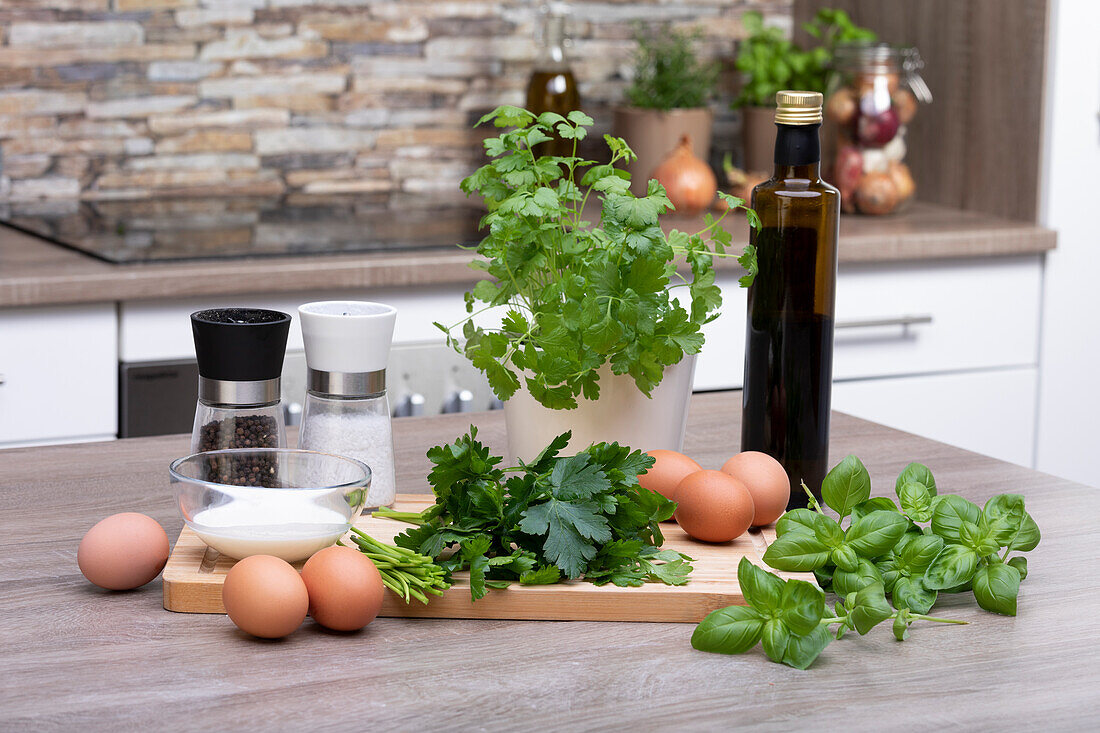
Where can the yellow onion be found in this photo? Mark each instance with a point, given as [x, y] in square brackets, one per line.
[689, 182]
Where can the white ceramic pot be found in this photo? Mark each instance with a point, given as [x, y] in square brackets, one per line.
[622, 414]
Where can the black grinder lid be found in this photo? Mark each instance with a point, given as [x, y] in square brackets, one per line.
[240, 344]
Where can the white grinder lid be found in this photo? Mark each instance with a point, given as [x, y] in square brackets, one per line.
[347, 336]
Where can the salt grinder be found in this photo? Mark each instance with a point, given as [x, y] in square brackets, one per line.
[240, 353]
[347, 409]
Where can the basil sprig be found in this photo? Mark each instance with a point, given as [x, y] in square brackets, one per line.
[924, 545]
[790, 620]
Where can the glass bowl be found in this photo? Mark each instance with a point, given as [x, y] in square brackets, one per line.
[269, 501]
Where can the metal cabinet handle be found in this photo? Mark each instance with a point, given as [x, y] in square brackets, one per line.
[3, 380]
[903, 321]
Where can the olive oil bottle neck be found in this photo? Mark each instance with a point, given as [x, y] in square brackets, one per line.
[797, 151]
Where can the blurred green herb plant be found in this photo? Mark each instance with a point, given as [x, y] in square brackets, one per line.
[578, 295]
[771, 62]
[667, 72]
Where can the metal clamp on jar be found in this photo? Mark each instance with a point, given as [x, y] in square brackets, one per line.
[347, 408]
[240, 355]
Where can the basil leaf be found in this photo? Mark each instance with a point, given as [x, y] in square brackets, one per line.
[774, 639]
[919, 552]
[797, 520]
[910, 593]
[996, 586]
[824, 576]
[950, 512]
[1020, 563]
[796, 552]
[761, 589]
[870, 608]
[828, 530]
[873, 504]
[1002, 517]
[876, 533]
[845, 558]
[960, 588]
[1028, 536]
[971, 535]
[919, 473]
[730, 630]
[889, 571]
[846, 485]
[953, 566]
[865, 574]
[803, 649]
[803, 605]
[916, 501]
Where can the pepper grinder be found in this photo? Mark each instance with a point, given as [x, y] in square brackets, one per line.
[240, 354]
[347, 409]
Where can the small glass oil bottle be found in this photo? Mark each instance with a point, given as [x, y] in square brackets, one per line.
[789, 340]
[552, 87]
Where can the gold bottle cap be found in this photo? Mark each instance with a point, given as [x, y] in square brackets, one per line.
[798, 108]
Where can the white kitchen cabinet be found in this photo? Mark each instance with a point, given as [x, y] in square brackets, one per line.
[59, 368]
[990, 412]
[946, 349]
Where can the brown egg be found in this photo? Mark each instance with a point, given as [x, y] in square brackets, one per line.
[766, 480]
[667, 473]
[264, 596]
[123, 551]
[345, 588]
[713, 506]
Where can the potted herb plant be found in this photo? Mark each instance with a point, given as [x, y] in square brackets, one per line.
[770, 62]
[667, 100]
[591, 335]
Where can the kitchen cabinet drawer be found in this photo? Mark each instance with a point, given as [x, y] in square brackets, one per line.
[60, 372]
[937, 317]
[893, 320]
[990, 412]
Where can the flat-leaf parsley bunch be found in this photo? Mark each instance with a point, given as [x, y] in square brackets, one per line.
[555, 518]
[578, 295]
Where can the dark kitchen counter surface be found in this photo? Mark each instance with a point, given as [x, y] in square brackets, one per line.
[35, 272]
[73, 657]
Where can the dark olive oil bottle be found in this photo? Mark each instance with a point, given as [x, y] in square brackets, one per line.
[789, 342]
[552, 86]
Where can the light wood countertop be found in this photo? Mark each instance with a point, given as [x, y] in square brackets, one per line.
[74, 657]
[35, 272]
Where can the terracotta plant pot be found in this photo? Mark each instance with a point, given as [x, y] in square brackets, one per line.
[758, 135]
[622, 414]
[653, 133]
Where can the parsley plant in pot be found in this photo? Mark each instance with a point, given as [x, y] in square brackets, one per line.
[597, 328]
[666, 101]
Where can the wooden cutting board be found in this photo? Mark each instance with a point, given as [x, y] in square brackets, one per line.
[194, 574]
